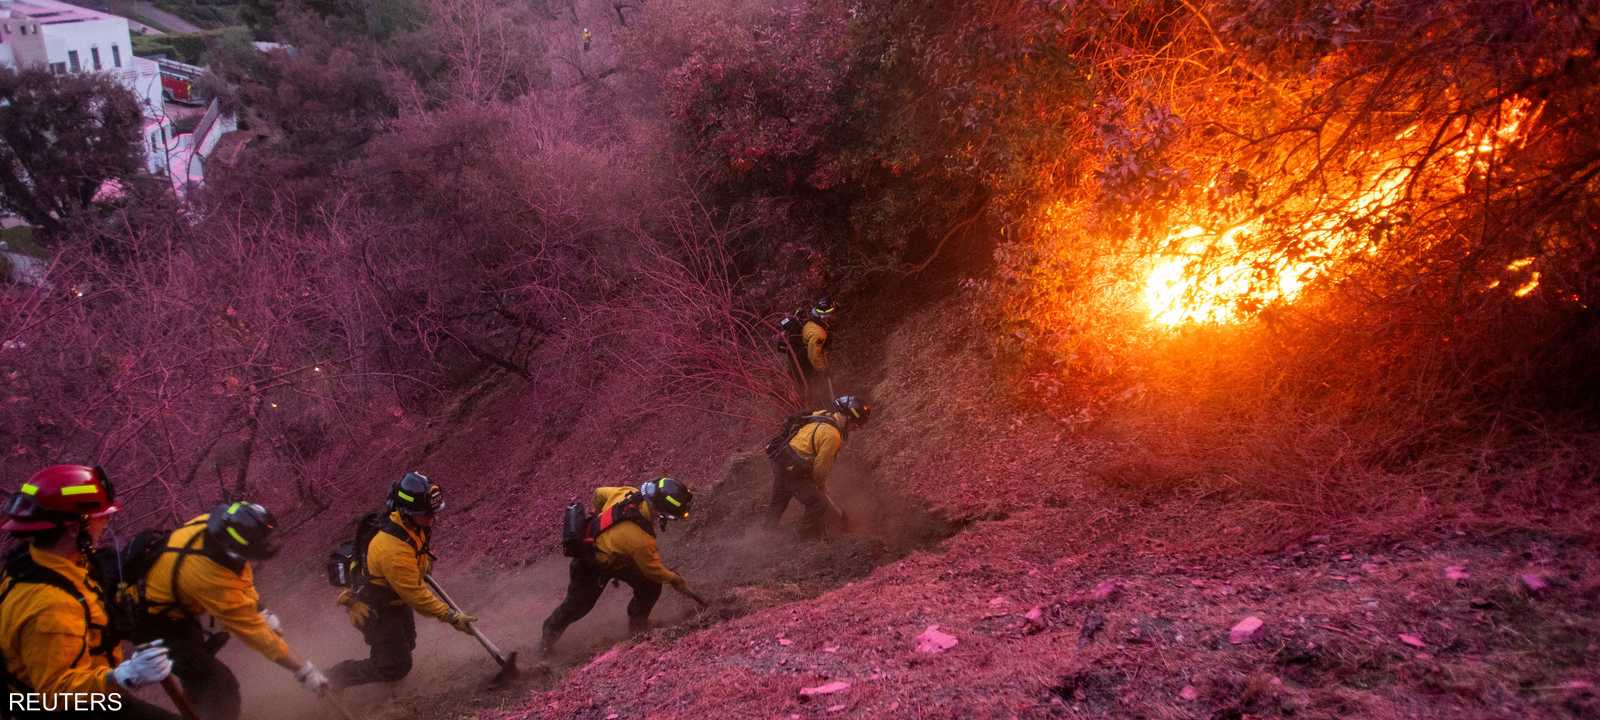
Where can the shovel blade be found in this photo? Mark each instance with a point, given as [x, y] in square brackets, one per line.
[508, 670]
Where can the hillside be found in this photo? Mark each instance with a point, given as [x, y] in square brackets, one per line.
[984, 522]
[1227, 358]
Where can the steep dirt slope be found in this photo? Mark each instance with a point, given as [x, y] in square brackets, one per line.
[992, 526]
[511, 454]
[1379, 630]
[1065, 601]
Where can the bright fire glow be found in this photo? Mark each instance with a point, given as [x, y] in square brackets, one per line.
[1529, 286]
[1207, 278]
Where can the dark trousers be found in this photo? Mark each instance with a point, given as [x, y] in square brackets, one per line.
[209, 684]
[811, 387]
[391, 633]
[585, 583]
[793, 482]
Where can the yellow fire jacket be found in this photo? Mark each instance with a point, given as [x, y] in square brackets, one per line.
[819, 442]
[626, 543]
[206, 587]
[399, 566]
[816, 340]
[46, 642]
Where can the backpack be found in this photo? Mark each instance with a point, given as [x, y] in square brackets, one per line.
[347, 564]
[580, 529]
[791, 339]
[777, 447]
[121, 574]
[20, 568]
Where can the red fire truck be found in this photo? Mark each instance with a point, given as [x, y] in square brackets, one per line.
[178, 82]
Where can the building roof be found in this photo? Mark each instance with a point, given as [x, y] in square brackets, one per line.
[52, 12]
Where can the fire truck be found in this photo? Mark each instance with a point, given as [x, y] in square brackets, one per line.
[179, 82]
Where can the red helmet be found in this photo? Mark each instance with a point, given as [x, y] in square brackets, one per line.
[57, 495]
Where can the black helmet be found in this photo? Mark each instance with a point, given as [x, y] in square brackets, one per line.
[241, 531]
[415, 494]
[668, 498]
[854, 409]
[822, 312]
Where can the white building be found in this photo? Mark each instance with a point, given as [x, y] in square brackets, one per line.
[70, 39]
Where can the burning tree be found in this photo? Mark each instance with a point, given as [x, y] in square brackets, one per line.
[1367, 167]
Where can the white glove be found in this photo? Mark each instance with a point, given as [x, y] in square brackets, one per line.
[273, 623]
[311, 677]
[149, 664]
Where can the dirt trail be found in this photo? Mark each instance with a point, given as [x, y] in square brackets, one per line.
[725, 550]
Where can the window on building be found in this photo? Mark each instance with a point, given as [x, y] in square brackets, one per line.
[94, 56]
[58, 68]
[116, 56]
[72, 60]
[153, 146]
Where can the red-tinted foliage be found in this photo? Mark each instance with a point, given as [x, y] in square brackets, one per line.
[61, 138]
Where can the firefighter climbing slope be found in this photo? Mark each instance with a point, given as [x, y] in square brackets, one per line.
[618, 542]
[384, 569]
[204, 568]
[806, 347]
[53, 620]
[802, 457]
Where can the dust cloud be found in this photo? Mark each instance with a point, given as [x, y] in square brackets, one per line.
[726, 551]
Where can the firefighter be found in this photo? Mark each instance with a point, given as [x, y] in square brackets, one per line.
[205, 569]
[622, 538]
[811, 357]
[53, 633]
[394, 563]
[801, 470]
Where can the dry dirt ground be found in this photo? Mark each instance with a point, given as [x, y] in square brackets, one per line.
[980, 523]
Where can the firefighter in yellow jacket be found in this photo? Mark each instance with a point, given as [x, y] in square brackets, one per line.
[801, 468]
[205, 569]
[53, 634]
[810, 363]
[383, 603]
[621, 540]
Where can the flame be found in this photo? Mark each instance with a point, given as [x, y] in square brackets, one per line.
[1529, 286]
[1516, 115]
[1519, 264]
[1209, 279]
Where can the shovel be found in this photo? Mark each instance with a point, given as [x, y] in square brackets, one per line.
[328, 693]
[508, 663]
[332, 696]
[179, 700]
[169, 684]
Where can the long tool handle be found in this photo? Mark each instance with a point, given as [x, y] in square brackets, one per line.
[180, 700]
[333, 699]
[499, 657]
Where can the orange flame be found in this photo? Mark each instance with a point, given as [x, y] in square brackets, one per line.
[1529, 286]
[1210, 279]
